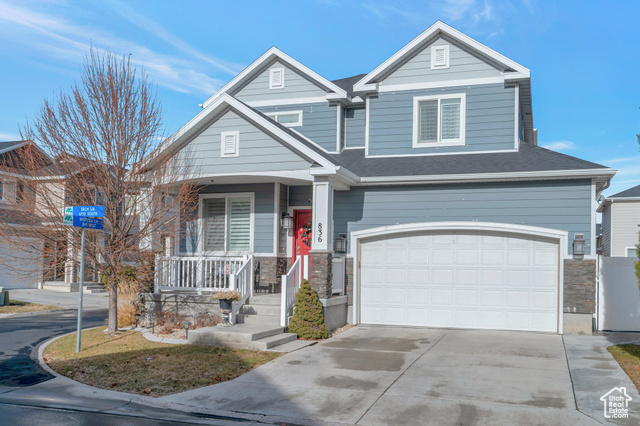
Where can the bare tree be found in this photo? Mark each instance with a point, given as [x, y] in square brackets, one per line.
[99, 144]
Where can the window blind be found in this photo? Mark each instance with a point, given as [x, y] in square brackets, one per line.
[450, 119]
[214, 224]
[239, 224]
[429, 121]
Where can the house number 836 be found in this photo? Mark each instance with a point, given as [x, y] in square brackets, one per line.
[319, 232]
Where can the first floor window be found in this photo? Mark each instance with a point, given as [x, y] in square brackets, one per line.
[439, 120]
[227, 223]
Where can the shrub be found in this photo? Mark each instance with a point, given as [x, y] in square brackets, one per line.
[169, 321]
[126, 314]
[227, 295]
[308, 321]
[207, 320]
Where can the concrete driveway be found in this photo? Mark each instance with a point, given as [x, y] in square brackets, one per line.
[396, 375]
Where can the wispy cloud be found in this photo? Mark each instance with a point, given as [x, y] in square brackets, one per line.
[9, 137]
[149, 25]
[559, 145]
[476, 17]
[60, 38]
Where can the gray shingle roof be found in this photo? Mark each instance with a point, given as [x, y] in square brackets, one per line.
[628, 193]
[9, 144]
[347, 83]
[528, 159]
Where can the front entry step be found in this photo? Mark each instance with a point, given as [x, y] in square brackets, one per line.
[242, 336]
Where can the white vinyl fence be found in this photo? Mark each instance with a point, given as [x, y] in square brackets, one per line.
[619, 297]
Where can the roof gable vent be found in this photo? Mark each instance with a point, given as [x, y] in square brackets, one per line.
[439, 57]
[229, 142]
[276, 78]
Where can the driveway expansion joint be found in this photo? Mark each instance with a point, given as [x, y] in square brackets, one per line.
[402, 374]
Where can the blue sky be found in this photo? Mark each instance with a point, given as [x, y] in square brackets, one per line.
[584, 56]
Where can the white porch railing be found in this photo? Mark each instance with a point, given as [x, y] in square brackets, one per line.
[197, 273]
[242, 282]
[290, 286]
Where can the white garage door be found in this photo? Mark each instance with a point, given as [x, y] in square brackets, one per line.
[21, 263]
[462, 280]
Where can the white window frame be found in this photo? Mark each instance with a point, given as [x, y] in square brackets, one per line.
[435, 66]
[201, 223]
[626, 251]
[416, 120]
[236, 135]
[272, 71]
[3, 189]
[274, 115]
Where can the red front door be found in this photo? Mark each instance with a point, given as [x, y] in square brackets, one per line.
[302, 220]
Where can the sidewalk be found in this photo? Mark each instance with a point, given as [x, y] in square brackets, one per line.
[61, 299]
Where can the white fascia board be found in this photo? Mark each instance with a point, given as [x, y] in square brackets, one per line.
[274, 52]
[440, 84]
[484, 177]
[439, 26]
[292, 101]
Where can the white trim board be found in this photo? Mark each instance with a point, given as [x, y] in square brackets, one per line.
[554, 234]
[382, 88]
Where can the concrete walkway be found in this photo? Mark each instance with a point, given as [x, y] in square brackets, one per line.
[61, 299]
[395, 375]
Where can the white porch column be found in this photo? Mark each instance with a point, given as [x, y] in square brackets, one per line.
[320, 274]
[322, 215]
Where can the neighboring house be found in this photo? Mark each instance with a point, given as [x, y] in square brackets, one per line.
[428, 166]
[620, 223]
[33, 253]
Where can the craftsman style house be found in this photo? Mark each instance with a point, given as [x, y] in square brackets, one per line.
[415, 194]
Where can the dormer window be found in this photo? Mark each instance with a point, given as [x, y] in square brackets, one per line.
[439, 57]
[439, 120]
[276, 78]
[229, 142]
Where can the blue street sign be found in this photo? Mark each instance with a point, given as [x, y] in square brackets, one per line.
[84, 222]
[85, 211]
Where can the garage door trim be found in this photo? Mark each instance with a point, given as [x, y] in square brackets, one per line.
[357, 237]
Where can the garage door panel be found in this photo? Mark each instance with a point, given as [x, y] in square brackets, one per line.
[468, 257]
[461, 279]
[441, 276]
[466, 277]
[466, 298]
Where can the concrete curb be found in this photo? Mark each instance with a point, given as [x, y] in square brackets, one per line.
[128, 398]
[149, 336]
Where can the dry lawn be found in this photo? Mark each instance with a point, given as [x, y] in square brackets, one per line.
[18, 307]
[130, 363]
[628, 356]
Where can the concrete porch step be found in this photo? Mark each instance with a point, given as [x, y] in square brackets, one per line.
[264, 299]
[272, 341]
[258, 319]
[238, 336]
[260, 309]
[293, 346]
[93, 287]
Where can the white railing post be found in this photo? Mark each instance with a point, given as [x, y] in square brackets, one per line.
[233, 285]
[283, 300]
[199, 275]
[158, 276]
[306, 267]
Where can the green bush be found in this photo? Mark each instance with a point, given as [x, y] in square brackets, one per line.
[308, 321]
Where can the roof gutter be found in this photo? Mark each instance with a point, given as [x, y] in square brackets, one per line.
[488, 177]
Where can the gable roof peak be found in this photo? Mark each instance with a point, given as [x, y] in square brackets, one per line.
[273, 53]
[439, 27]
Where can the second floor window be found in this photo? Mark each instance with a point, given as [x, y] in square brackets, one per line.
[439, 120]
[287, 118]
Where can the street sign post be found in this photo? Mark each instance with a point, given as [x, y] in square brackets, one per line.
[83, 217]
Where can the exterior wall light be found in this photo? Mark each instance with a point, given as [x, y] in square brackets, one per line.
[340, 244]
[286, 221]
[578, 246]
